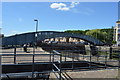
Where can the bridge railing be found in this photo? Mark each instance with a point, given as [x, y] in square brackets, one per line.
[60, 56]
[101, 58]
[57, 57]
[16, 56]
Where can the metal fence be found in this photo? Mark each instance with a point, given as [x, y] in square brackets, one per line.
[59, 58]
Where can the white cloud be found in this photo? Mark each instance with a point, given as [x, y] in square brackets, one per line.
[57, 5]
[73, 4]
[63, 7]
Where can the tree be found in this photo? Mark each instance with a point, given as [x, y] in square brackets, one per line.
[114, 42]
[96, 33]
[105, 35]
[76, 31]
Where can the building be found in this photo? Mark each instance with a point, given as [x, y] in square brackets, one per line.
[116, 36]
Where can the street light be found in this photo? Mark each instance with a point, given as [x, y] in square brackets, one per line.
[33, 66]
[36, 24]
[36, 29]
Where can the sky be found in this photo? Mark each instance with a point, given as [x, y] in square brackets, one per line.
[18, 17]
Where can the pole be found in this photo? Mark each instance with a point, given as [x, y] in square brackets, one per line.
[60, 76]
[36, 32]
[33, 61]
[110, 55]
[14, 55]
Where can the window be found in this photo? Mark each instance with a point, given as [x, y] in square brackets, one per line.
[118, 37]
[118, 30]
[118, 25]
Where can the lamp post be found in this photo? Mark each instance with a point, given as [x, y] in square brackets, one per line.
[36, 30]
[33, 66]
[36, 24]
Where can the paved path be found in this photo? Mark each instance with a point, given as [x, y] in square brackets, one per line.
[108, 73]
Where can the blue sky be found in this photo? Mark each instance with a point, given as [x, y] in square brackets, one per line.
[18, 17]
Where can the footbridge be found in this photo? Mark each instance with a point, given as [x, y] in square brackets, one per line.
[30, 37]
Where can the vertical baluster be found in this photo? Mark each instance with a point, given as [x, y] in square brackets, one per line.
[14, 55]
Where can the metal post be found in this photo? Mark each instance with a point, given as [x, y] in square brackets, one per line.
[50, 56]
[53, 57]
[36, 32]
[90, 61]
[65, 57]
[60, 77]
[35, 45]
[14, 55]
[110, 56]
[33, 63]
[52, 60]
[106, 60]
[72, 61]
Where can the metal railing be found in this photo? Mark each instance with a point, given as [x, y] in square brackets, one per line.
[58, 57]
[54, 66]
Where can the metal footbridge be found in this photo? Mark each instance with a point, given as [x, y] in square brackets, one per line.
[20, 39]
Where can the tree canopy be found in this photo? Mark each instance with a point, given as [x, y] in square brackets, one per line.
[104, 35]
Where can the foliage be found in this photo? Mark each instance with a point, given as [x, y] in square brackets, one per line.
[97, 33]
[114, 42]
[105, 35]
[76, 31]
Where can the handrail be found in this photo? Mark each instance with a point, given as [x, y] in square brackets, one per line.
[23, 54]
[56, 52]
[56, 67]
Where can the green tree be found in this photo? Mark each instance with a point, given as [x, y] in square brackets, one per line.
[109, 36]
[114, 42]
[76, 31]
[105, 35]
[96, 33]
